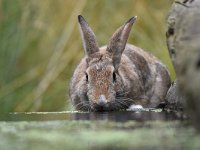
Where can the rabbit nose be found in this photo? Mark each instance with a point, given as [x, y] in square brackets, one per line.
[102, 100]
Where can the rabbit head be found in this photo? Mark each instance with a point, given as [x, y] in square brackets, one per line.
[101, 75]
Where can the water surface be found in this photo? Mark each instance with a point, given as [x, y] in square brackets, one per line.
[119, 116]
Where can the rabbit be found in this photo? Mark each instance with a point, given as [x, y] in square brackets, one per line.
[117, 76]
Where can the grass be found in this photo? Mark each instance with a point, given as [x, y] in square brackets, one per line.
[40, 44]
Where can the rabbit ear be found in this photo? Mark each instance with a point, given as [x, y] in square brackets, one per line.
[118, 41]
[89, 41]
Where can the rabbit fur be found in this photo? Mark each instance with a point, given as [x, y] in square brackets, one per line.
[118, 75]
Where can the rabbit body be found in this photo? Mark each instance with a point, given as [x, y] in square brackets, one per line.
[118, 75]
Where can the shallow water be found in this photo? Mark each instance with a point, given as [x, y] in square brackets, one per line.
[118, 116]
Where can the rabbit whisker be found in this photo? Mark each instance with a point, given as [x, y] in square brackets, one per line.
[121, 93]
[82, 105]
[123, 104]
[125, 99]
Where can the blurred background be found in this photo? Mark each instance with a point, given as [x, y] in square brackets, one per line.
[40, 45]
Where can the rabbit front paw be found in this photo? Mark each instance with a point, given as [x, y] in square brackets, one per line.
[135, 108]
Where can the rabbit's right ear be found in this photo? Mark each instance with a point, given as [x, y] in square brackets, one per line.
[89, 40]
[118, 41]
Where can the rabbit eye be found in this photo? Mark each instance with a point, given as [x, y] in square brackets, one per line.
[86, 76]
[114, 77]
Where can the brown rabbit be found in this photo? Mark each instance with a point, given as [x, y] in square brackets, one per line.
[118, 75]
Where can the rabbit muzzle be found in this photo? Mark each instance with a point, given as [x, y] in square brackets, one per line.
[102, 104]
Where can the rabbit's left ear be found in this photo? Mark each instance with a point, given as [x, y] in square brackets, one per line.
[89, 40]
[118, 41]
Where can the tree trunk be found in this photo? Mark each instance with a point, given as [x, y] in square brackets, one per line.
[183, 41]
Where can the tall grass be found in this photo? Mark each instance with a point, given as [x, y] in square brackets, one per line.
[40, 44]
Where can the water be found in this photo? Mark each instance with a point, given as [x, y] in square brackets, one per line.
[120, 116]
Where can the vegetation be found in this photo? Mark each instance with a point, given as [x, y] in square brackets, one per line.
[40, 44]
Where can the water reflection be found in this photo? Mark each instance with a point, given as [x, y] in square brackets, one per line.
[127, 116]
[122, 116]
